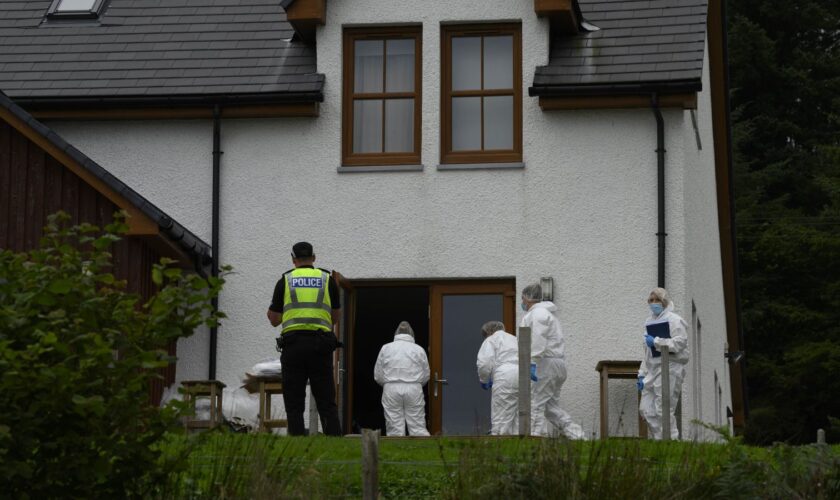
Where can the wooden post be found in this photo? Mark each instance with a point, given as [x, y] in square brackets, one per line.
[524, 381]
[666, 394]
[313, 414]
[605, 402]
[370, 464]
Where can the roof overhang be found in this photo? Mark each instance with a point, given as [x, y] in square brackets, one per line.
[255, 105]
[564, 15]
[305, 16]
[672, 94]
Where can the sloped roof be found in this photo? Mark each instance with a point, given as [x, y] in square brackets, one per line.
[199, 251]
[641, 45]
[155, 48]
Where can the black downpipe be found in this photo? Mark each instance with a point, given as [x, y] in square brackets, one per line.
[214, 269]
[660, 187]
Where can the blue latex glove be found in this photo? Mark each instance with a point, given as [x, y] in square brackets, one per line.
[488, 385]
[649, 341]
[640, 383]
[534, 372]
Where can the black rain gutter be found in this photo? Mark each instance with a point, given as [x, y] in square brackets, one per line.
[660, 189]
[214, 266]
[646, 88]
[170, 101]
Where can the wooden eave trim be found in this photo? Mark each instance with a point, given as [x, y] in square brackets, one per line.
[167, 248]
[138, 222]
[561, 13]
[682, 101]
[250, 111]
[305, 15]
[725, 208]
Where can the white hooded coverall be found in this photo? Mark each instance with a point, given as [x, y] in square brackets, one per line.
[650, 405]
[402, 369]
[548, 352]
[498, 360]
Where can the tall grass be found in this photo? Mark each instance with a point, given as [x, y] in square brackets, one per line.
[222, 465]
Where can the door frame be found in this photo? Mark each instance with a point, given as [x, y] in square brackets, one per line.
[506, 288]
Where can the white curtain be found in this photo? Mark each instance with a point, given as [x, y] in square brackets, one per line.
[466, 123]
[399, 125]
[399, 68]
[368, 58]
[367, 126]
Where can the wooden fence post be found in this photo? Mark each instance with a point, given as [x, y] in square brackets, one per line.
[313, 414]
[524, 338]
[666, 393]
[370, 464]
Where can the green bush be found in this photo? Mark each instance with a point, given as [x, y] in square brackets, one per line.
[77, 354]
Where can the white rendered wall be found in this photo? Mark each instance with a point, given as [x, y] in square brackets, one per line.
[582, 211]
[703, 268]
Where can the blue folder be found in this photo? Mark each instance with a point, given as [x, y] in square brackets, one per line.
[661, 330]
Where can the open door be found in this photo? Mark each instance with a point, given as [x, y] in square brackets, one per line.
[341, 356]
[458, 405]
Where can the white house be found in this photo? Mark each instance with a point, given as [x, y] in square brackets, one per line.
[440, 154]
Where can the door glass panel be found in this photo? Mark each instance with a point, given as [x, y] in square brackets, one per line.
[465, 405]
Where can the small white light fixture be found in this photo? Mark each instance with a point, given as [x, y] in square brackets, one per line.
[547, 285]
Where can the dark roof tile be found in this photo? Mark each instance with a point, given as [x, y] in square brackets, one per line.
[125, 52]
[640, 42]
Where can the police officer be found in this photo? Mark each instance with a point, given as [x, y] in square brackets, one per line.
[306, 304]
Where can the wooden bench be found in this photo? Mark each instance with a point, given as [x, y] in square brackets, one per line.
[617, 370]
[213, 389]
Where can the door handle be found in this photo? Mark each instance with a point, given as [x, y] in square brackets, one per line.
[439, 381]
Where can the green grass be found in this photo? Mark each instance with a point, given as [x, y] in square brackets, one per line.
[224, 465]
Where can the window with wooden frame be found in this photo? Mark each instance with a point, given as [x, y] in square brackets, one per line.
[481, 93]
[382, 87]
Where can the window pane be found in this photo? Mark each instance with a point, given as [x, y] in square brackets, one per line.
[399, 69]
[75, 5]
[498, 122]
[466, 123]
[399, 125]
[368, 61]
[466, 63]
[367, 126]
[498, 62]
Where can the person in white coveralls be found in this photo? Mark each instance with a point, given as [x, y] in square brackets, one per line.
[402, 369]
[649, 378]
[548, 365]
[498, 370]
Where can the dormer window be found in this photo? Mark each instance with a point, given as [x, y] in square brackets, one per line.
[75, 9]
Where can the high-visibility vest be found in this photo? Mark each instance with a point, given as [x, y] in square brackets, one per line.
[306, 302]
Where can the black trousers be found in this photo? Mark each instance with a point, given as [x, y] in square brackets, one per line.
[307, 355]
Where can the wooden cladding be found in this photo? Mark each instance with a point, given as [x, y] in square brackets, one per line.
[562, 14]
[33, 185]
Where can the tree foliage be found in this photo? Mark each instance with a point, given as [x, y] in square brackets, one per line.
[785, 98]
[77, 354]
